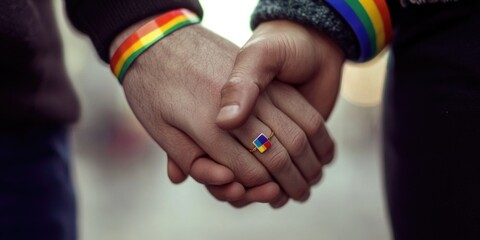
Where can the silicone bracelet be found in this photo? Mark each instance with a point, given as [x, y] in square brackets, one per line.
[148, 35]
[376, 19]
[367, 23]
[387, 21]
[370, 21]
[357, 26]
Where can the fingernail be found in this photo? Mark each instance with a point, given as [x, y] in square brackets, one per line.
[228, 112]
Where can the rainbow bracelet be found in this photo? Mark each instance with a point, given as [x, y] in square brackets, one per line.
[370, 21]
[148, 35]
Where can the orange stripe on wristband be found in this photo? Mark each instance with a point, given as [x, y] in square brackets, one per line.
[146, 36]
[377, 21]
[370, 21]
[387, 21]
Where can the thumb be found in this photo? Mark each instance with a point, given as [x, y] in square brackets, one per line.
[255, 67]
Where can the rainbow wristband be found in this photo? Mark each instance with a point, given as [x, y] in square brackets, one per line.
[370, 21]
[148, 35]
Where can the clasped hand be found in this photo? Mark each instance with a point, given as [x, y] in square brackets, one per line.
[204, 101]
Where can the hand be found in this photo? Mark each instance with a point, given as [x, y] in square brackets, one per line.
[161, 91]
[176, 101]
[290, 53]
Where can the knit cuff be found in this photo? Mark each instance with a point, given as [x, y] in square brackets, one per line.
[104, 20]
[315, 13]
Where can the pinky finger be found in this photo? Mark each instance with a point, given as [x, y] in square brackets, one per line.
[175, 174]
[265, 193]
[206, 171]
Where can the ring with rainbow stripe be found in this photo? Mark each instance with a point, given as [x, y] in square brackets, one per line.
[370, 21]
[262, 142]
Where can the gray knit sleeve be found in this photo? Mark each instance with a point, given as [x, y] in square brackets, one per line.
[315, 13]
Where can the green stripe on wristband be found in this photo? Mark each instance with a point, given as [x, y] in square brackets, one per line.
[134, 56]
[365, 19]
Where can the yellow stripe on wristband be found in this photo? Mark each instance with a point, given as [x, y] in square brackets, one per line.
[148, 35]
[376, 18]
[370, 21]
[145, 40]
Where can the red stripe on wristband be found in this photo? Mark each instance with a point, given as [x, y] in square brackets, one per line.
[387, 21]
[146, 36]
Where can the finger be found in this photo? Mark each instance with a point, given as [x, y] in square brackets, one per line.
[268, 54]
[276, 158]
[310, 121]
[255, 66]
[207, 171]
[227, 151]
[324, 145]
[224, 149]
[229, 192]
[322, 90]
[265, 193]
[179, 147]
[174, 172]
[280, 201]
[292, 137]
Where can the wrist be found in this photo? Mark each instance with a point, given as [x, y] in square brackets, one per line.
[316, 14]
[185, 55]
[120, 38]
[323, 44]
[131, 43]
[327, 46]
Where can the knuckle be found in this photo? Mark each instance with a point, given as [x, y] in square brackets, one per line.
[316, 175]
[287, 46]
[285, 89]
[315, 123]
[264, 48]
[280, 162]
[253, 176]
[329, 153]
[231, 86]
[259, 46]
[238, 82]
[299, 144]
[185, 161]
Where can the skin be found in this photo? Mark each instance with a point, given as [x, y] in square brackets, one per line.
[177, 102]
[288, 52]
[291, 53]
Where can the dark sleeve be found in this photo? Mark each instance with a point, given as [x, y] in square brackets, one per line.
[103, 20]
[314, 13]
[394, 6]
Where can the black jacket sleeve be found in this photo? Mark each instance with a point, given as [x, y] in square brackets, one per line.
[103, 20]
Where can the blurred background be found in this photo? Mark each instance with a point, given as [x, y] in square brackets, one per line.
[120, 173]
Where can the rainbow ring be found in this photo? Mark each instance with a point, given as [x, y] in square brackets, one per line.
[262, 142]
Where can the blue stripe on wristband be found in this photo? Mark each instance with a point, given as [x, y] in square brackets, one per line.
[366, 51]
